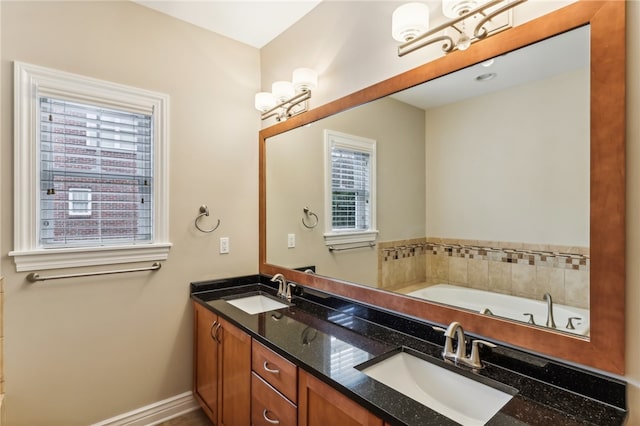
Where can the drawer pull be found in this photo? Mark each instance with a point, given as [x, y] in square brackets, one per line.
[273, 422]
[215, 323]
[269, 370]
[218, 328]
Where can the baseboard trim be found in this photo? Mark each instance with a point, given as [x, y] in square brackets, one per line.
[155, 413]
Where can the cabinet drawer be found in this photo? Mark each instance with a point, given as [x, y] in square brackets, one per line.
[275, 370]
[268, 407]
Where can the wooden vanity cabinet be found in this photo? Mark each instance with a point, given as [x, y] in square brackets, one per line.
[240, 382]
[205, 361]
[320, 405]
[274, 388]
[222, 369]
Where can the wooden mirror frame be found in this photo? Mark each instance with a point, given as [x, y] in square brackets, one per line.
[605, 347]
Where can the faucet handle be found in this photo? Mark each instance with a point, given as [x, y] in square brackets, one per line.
[474, 358]
[570, 325]
[530, 321]
[288, 292]
[447, 351]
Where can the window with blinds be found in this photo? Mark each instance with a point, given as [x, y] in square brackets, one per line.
[91, 171]
[96, 175]
[350, 188]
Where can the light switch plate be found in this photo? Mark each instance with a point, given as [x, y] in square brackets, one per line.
[224, 245]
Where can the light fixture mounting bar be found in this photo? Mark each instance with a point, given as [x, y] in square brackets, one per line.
[287, 109]
[449, 44]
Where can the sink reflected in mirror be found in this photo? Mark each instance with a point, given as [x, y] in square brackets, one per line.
[256, 303]
[449, 393]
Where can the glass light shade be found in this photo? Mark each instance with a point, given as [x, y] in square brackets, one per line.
[283, 90]
[264, 101]
[455, 8]
[304, 79]
[409, 21]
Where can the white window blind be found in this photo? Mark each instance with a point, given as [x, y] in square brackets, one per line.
[96, 175]
[350, 189]
[350, 183]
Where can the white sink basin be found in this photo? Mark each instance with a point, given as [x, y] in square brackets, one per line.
[453, 395]
[256, 304]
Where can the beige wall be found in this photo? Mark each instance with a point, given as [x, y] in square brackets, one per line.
[353, 49]
[541, 194]
[295, 179]
[82, 350]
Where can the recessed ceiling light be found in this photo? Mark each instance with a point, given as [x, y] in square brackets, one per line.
[486, 77]
[488, 62]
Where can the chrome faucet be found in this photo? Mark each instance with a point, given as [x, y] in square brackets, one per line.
[282, 284]
[460, 356]
[455, 328]
[284, 287]
[550, 322]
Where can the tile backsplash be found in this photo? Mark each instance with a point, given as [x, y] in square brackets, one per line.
[519, 269]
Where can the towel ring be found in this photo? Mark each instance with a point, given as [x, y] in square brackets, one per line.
[204, 211]
[308, 213]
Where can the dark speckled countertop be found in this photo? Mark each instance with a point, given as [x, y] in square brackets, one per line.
[328, 336]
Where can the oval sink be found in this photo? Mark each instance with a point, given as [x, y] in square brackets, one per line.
[453, 395]
[256, 304]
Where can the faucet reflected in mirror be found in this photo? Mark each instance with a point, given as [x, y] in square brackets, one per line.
[550, 321]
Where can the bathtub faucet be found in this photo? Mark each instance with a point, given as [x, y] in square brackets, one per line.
[550, 322]
[486, 311]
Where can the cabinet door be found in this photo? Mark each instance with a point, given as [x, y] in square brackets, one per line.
[205, 362]
[320, 405]
[235, 369]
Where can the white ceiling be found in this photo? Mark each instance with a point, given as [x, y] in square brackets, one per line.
[565, 52]
[255, 22]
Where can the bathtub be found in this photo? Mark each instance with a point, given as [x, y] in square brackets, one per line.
[503, 305]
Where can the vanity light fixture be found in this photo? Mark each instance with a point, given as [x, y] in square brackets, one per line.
[288, 98]
[410, 23]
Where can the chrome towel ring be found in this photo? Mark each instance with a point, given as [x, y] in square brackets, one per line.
[204, 211]
[308, 213]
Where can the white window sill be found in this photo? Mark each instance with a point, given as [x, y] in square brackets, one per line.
[37, 260]
[337, 238]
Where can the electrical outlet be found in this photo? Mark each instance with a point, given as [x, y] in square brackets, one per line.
[291, 240]
[224, 245]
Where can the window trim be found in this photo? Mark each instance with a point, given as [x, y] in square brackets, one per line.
[32, 81]
[357, 143]
[72, 211]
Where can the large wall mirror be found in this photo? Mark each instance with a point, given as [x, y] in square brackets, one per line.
[498, 190]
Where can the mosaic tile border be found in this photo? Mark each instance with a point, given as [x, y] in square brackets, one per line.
[551, 259]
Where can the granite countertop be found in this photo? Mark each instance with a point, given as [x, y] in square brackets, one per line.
[329, 336]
